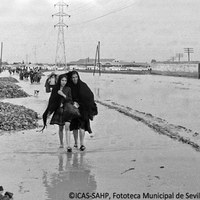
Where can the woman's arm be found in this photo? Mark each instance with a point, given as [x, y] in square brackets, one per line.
[61, 93]
[66, 93]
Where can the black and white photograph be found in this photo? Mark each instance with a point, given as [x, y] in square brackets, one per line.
[99, 99]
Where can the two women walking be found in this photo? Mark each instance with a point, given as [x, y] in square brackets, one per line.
[71, 90]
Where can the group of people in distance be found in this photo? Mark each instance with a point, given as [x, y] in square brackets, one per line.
[69, 89]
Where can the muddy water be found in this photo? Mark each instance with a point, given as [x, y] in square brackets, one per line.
[174, 99]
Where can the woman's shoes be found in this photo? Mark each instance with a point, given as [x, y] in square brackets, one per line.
[82, 148]
[69, 149]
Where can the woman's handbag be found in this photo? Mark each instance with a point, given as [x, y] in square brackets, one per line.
[94, 111]
[70, 112]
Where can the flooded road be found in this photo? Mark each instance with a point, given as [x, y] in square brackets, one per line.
[123, 156]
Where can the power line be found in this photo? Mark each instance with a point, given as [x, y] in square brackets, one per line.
[96, 18]
[108, 5]
[84, 10]
[79, 8]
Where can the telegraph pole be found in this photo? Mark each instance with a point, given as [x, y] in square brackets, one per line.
[60, 59]
[188, 51]
[27, 62]
[172, 58]
[35, 53]
[97, 59]
[179, 55]
[99, 64]
[86, 62]
[1, 56]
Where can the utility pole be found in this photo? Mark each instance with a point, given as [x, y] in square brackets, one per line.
[179, 55]
[86, 62]
[97, 59]
[172, 58]
[188, 51]
[35, 53]
[99, 64]
[27, 62]
[1, 56]
[60, 59]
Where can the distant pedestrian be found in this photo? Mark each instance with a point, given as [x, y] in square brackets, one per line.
[50, 82]
[52, 79]
[10, 71]
[31, 76]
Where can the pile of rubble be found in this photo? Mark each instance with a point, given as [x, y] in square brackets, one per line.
[14, 117]
[8, 88]
[9, 79]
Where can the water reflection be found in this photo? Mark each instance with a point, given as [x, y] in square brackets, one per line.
[74, 175]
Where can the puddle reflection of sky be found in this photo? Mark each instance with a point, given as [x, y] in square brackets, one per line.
[73, 175]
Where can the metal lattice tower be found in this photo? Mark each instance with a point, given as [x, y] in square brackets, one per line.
[60, 59]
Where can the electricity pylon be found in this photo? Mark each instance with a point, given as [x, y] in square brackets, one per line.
[60, 59]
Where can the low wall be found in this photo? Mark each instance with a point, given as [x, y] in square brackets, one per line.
[175, 69]
[116, 72]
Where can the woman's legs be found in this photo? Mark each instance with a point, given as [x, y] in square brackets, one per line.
[75, 133]
[82, 136]
[68, 135]
[61, 136]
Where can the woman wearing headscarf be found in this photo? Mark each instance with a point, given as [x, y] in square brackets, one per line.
[51, 82]
[60, 95]
[83, 99]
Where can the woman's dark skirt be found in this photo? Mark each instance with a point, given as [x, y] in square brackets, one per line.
[80, 123]
[58, 117]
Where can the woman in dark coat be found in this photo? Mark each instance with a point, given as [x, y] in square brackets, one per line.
[83, 99]
[60, 95]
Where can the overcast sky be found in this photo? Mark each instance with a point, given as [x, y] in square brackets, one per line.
[132, 30]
